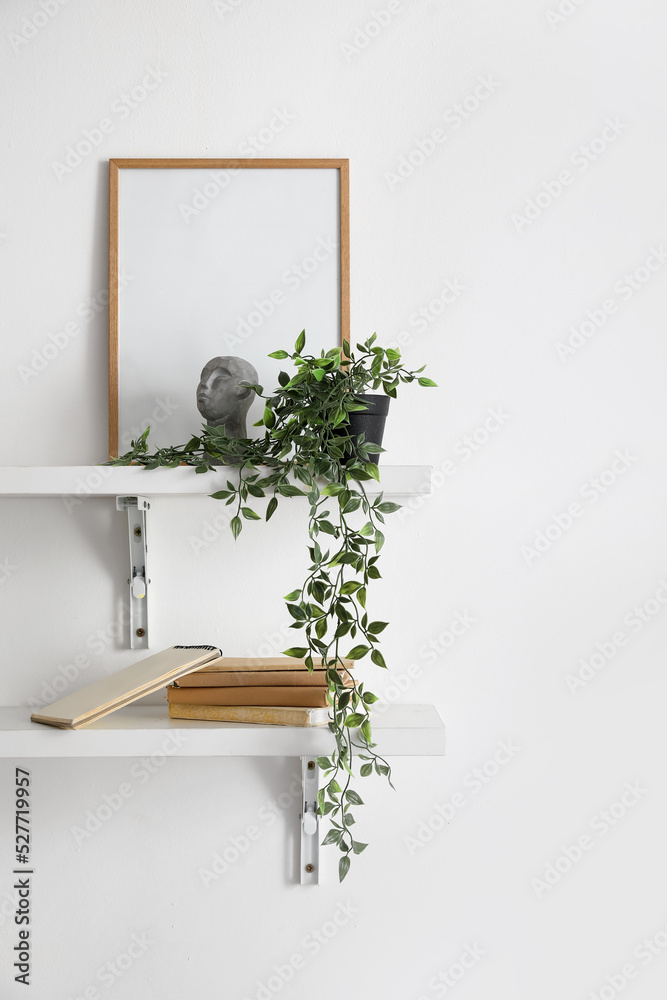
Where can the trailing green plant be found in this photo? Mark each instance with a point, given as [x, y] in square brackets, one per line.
[307, 451]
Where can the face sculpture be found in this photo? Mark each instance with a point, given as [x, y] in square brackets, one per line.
[220, 398]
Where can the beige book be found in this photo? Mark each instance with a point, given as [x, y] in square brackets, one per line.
[119, 689]
[258, 715]
[257, 678]
[289, 696]
[265, 663]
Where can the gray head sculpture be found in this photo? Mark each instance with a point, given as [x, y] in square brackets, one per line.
[220, 398]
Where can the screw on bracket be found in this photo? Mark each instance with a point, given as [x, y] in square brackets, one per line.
[310, 869]
[311, 765]
[141, 632]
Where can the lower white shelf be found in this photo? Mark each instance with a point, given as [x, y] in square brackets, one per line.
[140, 731]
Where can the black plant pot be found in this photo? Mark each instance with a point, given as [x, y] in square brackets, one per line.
[370, 421]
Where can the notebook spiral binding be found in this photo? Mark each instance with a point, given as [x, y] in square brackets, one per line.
[200, 647]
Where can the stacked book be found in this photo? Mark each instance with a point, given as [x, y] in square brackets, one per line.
[277, 691]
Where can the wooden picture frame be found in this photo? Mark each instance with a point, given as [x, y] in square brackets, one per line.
[164, 240]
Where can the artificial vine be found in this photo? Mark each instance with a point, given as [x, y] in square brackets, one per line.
[307, 441]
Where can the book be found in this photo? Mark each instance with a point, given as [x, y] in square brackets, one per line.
[248, 663]
[311, 697]
[106, 695]
[257, 714]
[258, 678]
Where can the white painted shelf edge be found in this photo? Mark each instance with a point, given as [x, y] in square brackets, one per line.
[140, 731]
[127, 480]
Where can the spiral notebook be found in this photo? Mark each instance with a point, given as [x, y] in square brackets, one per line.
[106, 695]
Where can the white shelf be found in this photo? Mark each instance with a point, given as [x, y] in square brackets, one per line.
[139, 731]
[126, 480]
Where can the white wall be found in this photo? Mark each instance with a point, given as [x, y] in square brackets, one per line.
[414, 909]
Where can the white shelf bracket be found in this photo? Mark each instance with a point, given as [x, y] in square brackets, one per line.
[310, 823]
[138, 581]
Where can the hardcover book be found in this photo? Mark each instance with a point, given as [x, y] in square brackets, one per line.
[258, 715]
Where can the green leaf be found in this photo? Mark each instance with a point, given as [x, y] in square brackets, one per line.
[357, 653]
[378, 658]
[271, 508]
[333, 787]
[324, 763]
[321, 628]
[300, 342]
[332, 490]
[369, 698]
[388, 507]
[376, 627]
[279, 355]
[332, 837]
[318, 374]
[361, 596]
[220, 495]
[236, 526]
[292, 596]
[349, 587]
[358, 847]
[379, 540]
[250, 514]
[367, 529]
[354, 797]
[343, 867]
[298, 652]
[366, 731]
[296, 612]
[365, 770]
[374, 573]
[427, 382]
[372, 470]
[320, 799]
[354, 720]
[289, 491]
[269, 418]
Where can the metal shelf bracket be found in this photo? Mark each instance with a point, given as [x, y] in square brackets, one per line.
[310, 823]
[138, 581]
